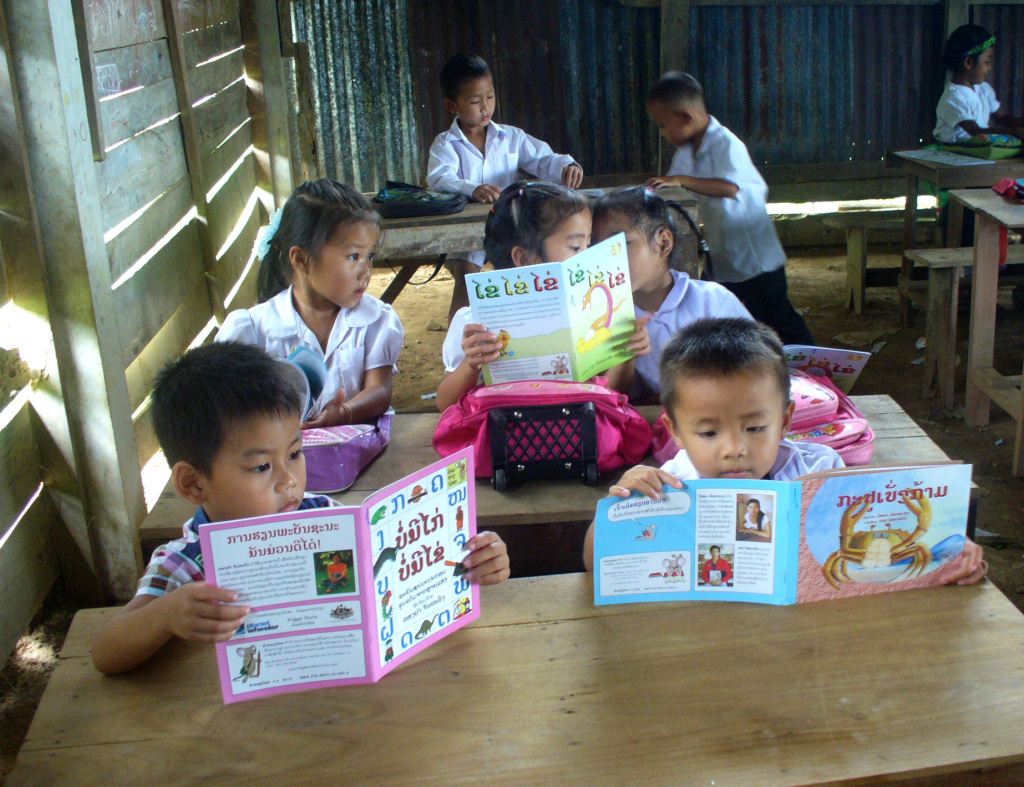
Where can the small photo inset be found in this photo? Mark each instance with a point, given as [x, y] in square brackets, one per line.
[334, 572]
[715, 561]
[755, 516]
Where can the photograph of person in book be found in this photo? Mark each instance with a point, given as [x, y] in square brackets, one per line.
[716, 570]
[754, 517]
[334, 572]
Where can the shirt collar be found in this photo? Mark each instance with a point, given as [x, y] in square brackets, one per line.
[287, 321]
[681, 283]
[493, 130]
[713, 126]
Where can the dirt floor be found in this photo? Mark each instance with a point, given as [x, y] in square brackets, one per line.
[816, 283]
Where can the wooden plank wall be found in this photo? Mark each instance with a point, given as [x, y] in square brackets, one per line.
[161, 177]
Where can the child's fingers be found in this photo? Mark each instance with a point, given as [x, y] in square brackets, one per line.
[482, 539]
[490, 573]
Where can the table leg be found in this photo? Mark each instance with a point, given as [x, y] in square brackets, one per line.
[402, 278]
[984, 289]
[955, 235]
[856, 266]
[909, 231]
[940, 333]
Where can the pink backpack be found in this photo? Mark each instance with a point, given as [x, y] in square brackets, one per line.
[336, 455]
[823, 414]
[542, 421]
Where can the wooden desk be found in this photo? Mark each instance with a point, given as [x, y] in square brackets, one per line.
[919, 687]
[984, 383]
[535, 516]
[426, 237]
[944, 176]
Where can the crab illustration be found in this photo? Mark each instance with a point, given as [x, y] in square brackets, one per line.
[879, 548]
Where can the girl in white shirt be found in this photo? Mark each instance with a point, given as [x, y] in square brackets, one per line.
[530, 223]
[664, 297]
[316, 259]
[968, 107]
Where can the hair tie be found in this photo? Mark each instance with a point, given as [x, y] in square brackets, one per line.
[521, 192]
[268, 234]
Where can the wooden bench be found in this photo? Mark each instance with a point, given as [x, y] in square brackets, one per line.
[919, 687]
[543, 522]
[945, 268]
[857, 225]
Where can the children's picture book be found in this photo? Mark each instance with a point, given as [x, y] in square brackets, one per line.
[842, 367]
[558, 321]
[834, 534]
[943, 157]
[313, 377]
[344, 595]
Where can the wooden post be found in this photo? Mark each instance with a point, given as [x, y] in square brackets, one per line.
[675, 55]
[266, 74]
[957, 12]
[75, 269]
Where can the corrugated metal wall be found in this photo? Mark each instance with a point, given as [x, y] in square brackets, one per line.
[1006, 23]
[363, 98]
[832, 83]
[798, 83]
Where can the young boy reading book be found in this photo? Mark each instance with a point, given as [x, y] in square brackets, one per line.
[227, 417]
[725, 387]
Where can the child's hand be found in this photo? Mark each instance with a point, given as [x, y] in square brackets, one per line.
[640, 343]
[646, 480]
[485, 192]
[479, 345]
[487, 560]
[199, 612]
[972, 566]
[660, 183]
[572, 176]
[336, 413]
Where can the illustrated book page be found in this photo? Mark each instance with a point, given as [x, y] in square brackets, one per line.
[343, 595]
[560, 321]
[842, 367]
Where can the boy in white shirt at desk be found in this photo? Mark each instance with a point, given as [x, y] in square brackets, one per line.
[479, 158]
[725, 387]
[746, 256]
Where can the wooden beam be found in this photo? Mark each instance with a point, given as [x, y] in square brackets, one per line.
[957, 13]
[675, 54]
[82, 317]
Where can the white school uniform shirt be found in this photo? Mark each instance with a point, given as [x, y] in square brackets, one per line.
[367, 336]
[456, 165]
[959, 103]
[687, 301]
[738, 229]
[793, 461]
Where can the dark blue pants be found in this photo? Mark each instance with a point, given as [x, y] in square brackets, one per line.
[766, 299]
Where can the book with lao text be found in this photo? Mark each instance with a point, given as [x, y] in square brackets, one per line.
[842, 367]
[344, 595]
[561, 320]
[833, 534]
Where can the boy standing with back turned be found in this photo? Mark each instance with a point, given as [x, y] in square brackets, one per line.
[712, 162]
[479, 158]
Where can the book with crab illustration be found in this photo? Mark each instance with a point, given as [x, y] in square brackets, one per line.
[561, 320]
[833, 534]
[345, 594]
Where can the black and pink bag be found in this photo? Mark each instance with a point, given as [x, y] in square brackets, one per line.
[543, 425]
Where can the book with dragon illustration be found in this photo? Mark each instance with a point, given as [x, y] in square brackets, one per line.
[834, 534]
[561, 320]
[344, 595]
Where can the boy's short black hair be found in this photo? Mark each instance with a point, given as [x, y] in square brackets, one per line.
[719, 346]
[459, 70]
[674, 88]
[200, 396]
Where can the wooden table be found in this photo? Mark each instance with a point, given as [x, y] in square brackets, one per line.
[418, 241]
[919, 687]
[944, 176]
[984, 383]
[539, 514]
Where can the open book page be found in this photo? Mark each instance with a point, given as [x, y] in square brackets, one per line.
[714, 540]
[418, 529]
[842, 367]
[323, 593]
[559, 321]
[943, 157]
[881, 529]
[600, 307]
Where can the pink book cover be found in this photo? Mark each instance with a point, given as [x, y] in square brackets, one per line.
[344, 595]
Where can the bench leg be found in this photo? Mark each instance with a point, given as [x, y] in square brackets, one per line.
[856, 265]
[398, 283]
[940, 333]
[909, 233]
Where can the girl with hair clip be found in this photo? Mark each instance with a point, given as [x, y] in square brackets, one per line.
[530, 223]
[968, 108]
[316, 258]
[665, 298]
